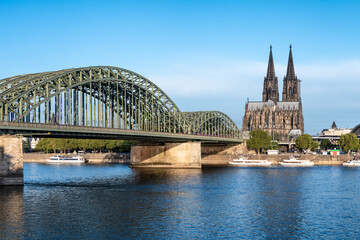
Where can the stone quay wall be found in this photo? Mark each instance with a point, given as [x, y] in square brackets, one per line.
[209, 158]
[223, 159]
[94, 158]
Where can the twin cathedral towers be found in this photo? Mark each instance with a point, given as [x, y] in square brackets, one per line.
[278, 118]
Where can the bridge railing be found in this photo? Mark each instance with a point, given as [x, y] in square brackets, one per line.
[54, 130]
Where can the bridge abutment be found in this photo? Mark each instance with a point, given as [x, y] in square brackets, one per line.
[11, 160]
[170, 155]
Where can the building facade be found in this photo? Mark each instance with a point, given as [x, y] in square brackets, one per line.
[333, 134]
[278, 118]
[335, 131]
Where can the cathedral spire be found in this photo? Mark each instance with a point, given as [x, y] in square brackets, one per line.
[271, 91]
[290, 73]
[291, 86]
[271, 68]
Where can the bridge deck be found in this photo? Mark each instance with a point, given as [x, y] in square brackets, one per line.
[68, 131]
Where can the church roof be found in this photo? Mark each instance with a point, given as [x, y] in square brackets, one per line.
[283, 106]
[288, 106]
[255, 106]
[333, 126]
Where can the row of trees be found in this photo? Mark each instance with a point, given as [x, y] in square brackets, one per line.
[260, 140]
[62, 145]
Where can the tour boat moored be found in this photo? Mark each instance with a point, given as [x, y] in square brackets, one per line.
[244, 162]
[64, 159]
[352, 163]
[294, 162]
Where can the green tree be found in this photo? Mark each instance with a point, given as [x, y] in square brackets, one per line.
[83, 144]
[304, 142]
[97, 144]
[52, 144]
[259, 140]
[275, 145]
[349, 142]
[59, 143]
[64, 144]
[314, 146]
[111, 145]
[43, 145]
[325, 144]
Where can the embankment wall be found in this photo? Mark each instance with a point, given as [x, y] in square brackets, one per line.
[206, 159]
[223, 159]
[91, 157]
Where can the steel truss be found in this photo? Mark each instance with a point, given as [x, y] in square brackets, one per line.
[106, 97]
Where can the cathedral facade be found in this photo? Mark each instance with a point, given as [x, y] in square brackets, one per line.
[280, 119]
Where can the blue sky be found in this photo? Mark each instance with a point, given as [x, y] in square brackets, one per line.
[207, 55]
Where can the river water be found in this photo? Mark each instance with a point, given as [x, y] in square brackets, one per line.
[117, 202]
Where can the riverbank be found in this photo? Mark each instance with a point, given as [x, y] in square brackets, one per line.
[93, 158]
[322, 160]
[220, 160]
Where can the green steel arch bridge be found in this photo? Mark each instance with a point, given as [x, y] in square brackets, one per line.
[103, 102]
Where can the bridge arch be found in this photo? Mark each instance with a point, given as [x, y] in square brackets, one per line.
[93, 96]
[103, 96]
[356, 130]
[212, 123]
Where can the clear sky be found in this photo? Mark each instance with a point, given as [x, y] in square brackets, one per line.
[206, 55]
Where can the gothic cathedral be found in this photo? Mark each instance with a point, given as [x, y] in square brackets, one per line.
[278, 118]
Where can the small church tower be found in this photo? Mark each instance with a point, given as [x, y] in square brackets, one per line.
[271, 90]
[291, 86]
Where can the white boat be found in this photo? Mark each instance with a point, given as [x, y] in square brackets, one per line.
[294, 162]
[64, 159]
[244, 162]
[352, 163]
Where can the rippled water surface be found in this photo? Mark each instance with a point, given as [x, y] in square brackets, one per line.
[115, 201]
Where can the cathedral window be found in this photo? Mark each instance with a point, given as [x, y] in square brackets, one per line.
[290, 92]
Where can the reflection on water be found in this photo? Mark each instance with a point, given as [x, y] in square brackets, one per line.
[11, 212]
[281, 205]
[114, 201]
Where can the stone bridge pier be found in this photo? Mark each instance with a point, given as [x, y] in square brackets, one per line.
[185, 155]
[11, 160]
[169, 155]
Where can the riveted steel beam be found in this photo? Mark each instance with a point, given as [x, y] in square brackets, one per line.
[106, 97]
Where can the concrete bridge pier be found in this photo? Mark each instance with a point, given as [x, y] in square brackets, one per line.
[11, 160]
[169, 155]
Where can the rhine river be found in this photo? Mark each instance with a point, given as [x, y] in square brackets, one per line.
[117, 202]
